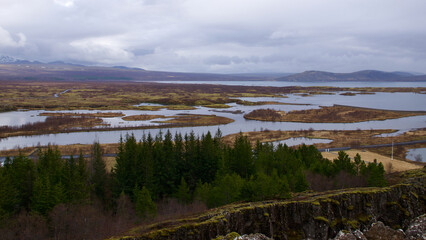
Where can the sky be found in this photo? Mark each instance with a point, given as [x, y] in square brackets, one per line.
[219, 36]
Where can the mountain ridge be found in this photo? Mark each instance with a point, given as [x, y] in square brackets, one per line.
[359, 76]
[17, 69]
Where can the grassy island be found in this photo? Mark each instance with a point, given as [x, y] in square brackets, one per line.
[333, 114]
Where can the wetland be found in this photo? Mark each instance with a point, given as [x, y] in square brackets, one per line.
[104, 112]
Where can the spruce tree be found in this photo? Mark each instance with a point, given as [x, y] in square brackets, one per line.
[144, 206]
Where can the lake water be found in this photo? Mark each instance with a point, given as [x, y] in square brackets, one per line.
[391, 101]
[417, 154]
[304, 84]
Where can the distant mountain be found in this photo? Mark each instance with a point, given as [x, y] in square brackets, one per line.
[13, 69]
[7, 60]
[271, 76]
[361, 76]
[16, 69]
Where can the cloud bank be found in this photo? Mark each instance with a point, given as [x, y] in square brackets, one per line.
[219, 36]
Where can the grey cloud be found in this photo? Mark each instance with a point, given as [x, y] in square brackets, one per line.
[221, 35]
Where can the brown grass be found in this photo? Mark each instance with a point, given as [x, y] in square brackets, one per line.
[124, 95]
[98, 114]
[368, 156]
[345, 138]
[142, 117]
[333, 114]
[197, 120]
[52, 125]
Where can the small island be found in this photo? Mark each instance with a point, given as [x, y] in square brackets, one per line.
[332, 114]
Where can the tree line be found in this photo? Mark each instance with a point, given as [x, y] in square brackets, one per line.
[189, 168]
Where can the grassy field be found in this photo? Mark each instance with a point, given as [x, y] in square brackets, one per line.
[351, 138]
[389, 164]
[333, 114]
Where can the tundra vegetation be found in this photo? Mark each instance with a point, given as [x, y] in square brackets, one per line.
[127, 95]
[57, 122]
[78, 198]
[333, 114]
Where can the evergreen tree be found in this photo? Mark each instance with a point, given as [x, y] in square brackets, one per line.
[343, 162]
[226, 189]
[300, 183]
[202, 192]
[144, 206]
[183, 194]
[376, 175]
[9, 196]
[241, 159]
[98, 174]
[45, 197]
[75, 180]
[20, 173]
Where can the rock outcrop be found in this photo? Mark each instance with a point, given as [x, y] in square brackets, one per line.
[378, 231]
[307, 216]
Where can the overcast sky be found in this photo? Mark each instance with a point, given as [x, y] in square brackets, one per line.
[222, 36]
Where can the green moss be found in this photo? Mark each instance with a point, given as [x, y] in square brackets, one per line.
[294, 235]
[350, 207]
[415, 195]
[316, 203]
[396, 226]
[353, 223]
[391, 203]
[364, 218]
[322, 219]
[229, 236]
[334, 222]
[330, 200]
[368, 204]
[266, 214]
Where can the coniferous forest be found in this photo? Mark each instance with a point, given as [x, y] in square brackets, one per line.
[158, 177]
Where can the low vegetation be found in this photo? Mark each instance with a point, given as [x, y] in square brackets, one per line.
[72, 114]
[126, 95]
[142, 117]
[78, 122]
[52, 125]
[333, 114]
[197, 120]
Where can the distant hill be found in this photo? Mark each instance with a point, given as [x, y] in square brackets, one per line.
[16, 69]
[13, 69]
[361, 76]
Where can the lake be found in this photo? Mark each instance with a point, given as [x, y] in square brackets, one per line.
[304, 84]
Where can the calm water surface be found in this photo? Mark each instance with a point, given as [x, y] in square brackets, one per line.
[417, 154]
[305, 84]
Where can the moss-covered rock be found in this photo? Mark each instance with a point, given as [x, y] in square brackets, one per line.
[308, 215]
